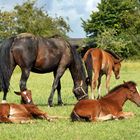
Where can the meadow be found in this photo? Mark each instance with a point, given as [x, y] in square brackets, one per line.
[64, 129]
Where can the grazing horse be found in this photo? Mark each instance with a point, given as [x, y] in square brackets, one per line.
[41, 55]
[101, 62]
[109, 106]
[22, 113]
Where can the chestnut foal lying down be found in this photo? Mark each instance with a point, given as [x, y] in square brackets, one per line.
[109, 106]
[22, 113]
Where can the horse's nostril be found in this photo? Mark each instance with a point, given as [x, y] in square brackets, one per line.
[117, 77]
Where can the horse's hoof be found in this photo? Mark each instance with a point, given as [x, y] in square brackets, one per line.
[60, 104]
[50, 105]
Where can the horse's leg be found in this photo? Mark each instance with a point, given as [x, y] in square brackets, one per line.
[99, 86]
[59, 91]
[106, 117]
[59, 73]
[24, 77]
[125, 115]
[107, 82]
[94, 82]
[8, 80]
[4, 97]
[37, 113]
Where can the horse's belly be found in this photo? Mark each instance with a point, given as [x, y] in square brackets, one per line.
[18, 114]
[46, 64]
[44, 68]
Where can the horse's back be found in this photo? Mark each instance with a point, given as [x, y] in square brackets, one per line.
[95, 52]
[51, 53]
[86, 108]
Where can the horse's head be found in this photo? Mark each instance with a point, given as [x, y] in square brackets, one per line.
[81, 91]
[117, 67]
[26, 96]
[133, 94]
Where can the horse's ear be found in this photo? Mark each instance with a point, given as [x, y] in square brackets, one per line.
[121, 60]
[17, 93]
[118, 61]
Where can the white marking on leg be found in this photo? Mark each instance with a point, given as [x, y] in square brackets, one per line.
[137, 90]
[3, 101]
[106, 117]
[92, 94]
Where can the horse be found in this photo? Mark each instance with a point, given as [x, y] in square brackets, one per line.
[42, 55]
[101, 62]
[26, 96]
[108, 107]
[22, 113]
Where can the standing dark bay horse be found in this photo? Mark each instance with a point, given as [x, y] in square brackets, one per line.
[41, 55]
[108, 107]
[101, 62]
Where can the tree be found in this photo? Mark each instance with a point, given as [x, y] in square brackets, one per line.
[123, 18]
[28, 18]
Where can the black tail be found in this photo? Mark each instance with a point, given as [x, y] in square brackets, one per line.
[74, 116]
[88, 65]
[5, 63]
[77, 64]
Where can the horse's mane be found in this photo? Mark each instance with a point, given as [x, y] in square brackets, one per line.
[112, 53]
[22, 35]
[125, 84]
[56, 36]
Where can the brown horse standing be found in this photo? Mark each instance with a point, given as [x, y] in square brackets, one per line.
[101, 62]
[109, 106]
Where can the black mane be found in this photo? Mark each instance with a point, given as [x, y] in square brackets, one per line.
[113, 54]
[125, 84]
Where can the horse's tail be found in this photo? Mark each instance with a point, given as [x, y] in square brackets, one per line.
[74, 116]
[5, 63]
[77, 63]
[88, 64]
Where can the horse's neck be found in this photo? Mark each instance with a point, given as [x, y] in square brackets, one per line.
[118, 97]
[76, 68]
[75, 73]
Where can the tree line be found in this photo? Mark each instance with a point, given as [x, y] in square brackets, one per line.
[29, 18]
[115, 26]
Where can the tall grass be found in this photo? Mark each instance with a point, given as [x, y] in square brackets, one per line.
[40, 85]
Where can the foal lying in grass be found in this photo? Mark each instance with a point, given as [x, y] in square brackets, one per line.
[22, 113]
[109, 106]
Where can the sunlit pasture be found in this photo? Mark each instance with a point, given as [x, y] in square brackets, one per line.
[40, 84]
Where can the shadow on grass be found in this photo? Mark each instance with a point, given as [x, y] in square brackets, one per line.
[56, 105]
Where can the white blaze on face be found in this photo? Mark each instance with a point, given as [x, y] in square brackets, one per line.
[137, 90]
[25, 93]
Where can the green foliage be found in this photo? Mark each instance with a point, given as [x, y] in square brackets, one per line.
[7, 24]
[28, 18]
[122, 18]
[108, 40]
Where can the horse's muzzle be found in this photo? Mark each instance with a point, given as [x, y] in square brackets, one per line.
[118, 77]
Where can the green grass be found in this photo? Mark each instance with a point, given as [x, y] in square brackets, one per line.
[40, 85]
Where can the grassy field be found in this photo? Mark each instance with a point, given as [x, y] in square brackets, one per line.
[40, 85]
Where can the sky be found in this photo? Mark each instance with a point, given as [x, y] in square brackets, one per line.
[71, 10]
